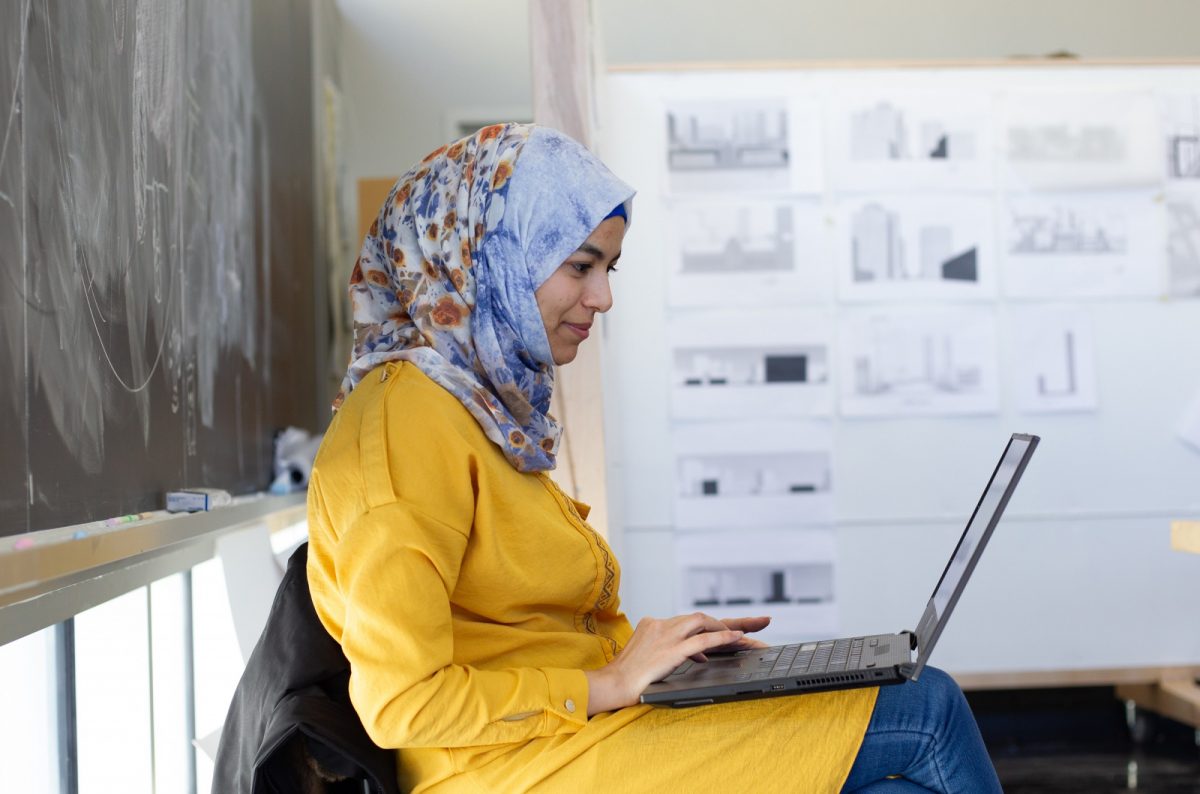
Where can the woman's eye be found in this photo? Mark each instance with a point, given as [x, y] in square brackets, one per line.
[581, 267]
[612, 268]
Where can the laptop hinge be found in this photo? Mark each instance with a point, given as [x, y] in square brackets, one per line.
[907, 669]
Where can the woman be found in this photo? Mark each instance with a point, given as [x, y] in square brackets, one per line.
[477, 608]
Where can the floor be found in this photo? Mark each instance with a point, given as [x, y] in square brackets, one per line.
[1084, 740]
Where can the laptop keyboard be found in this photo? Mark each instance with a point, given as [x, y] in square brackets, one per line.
[782, 661]
[809, 657]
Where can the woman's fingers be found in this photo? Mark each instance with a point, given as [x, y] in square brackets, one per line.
[709, 640]
[698, 622]
[744, 644]
[747, 624]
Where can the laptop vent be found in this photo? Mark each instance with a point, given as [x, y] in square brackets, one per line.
[833, 679]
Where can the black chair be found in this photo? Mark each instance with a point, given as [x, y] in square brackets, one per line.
[291, 728]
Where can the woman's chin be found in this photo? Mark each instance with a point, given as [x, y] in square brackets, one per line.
[565, 355]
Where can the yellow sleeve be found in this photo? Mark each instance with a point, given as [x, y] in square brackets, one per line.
[396, 568]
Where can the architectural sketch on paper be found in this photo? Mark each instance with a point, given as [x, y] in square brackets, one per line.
[878, 250]
[788, 574]
[1060, 378]
[1065, 142]
[728, 145]
[894, 247]
[1093, 244]
[1183, 246]
[716, 476]
[1058, 230]
[927, 361]
[777, 250]
[1183, 155]
[727, 136]
[735, 238]
[753, 362]
[1181, 129]
[897, 140]
[936, 362]
[764, 487]
[749, 472]
[701, 368]
[759, 585]
[1052, 362]
[881, 132]
[1089, 139]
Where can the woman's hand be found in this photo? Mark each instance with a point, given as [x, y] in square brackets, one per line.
[744, 625]
[657, 647]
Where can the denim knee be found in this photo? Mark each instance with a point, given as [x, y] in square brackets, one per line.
[923, 730]
[942, 696]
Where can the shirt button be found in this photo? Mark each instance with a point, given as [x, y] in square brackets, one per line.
[570, 705]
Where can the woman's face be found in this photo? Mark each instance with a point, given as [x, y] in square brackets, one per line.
[571, 297]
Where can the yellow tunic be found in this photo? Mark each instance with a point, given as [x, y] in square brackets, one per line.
[469, 598]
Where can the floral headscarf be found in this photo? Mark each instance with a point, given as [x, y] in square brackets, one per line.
[447, 275]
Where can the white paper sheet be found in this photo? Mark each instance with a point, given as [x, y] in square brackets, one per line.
[1055, 140]
[734, 475]
[788, 575]
[1052, 362]
[902, 140]
[252, 575]
[1183, 244]
[750, 252]
[771, 363]
[896, 247]
[1083, 245]
[1188, 426]
[917, 361]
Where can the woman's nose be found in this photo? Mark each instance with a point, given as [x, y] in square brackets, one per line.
[598, 296]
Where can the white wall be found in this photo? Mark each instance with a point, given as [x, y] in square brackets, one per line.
[407, 65]
[691, 30]
[1084, 546]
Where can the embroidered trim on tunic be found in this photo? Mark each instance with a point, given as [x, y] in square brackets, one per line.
[610, 572]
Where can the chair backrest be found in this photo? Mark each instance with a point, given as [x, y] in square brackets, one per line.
[291, 725]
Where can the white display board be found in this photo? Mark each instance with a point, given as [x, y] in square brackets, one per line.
[843, 289]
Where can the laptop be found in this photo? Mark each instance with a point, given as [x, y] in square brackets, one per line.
[850, 662]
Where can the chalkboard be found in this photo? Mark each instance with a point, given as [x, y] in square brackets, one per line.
[157, 319]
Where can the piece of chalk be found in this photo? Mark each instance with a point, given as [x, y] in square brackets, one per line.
[80, 535]
[118, 520]
[23, 543]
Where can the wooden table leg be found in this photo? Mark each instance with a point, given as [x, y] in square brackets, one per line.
[1174, 697]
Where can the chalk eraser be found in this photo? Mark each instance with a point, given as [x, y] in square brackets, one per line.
[196, 499]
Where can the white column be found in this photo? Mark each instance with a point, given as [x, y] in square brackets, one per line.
[563, 50]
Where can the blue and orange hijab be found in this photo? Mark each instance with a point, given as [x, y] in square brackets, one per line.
[447, 274]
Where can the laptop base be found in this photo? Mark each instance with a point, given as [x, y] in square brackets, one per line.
[748, 675]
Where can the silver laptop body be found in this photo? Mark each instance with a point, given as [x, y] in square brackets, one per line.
[850, 662]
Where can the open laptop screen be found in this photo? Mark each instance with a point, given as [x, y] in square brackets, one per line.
[970, 545]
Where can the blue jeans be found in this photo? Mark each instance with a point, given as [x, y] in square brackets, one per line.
[924, 733]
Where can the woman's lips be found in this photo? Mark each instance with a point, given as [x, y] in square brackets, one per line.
[582, 330]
